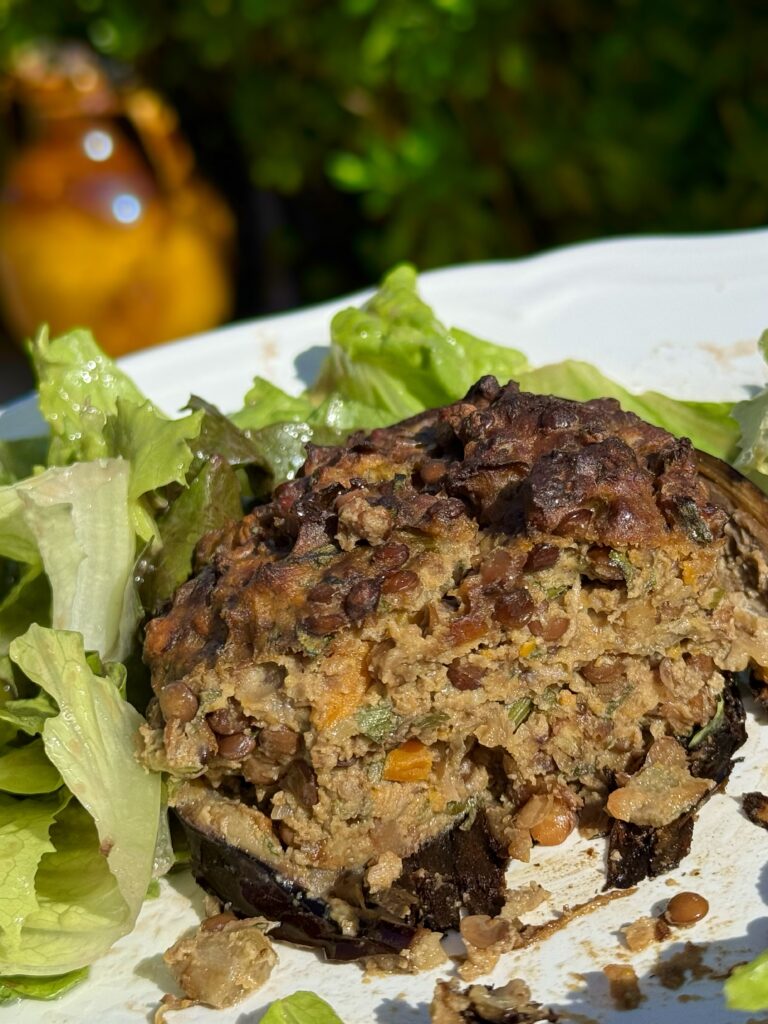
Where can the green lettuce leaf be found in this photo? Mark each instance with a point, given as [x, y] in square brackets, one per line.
[21, 987]
[220, 436]
[301, 1008]
[26, 770]
[76, 521]
[82, 877]
[95, 411]
[752, 418]
[284, 448]
[19, 458]
[157, 451]
[26, 602]
[28, 714]
[24, 839]
[212, 498]
[747, 987]
[298, 421]
[265, 404]
[395, 356]
[157, 448]
[78, 388]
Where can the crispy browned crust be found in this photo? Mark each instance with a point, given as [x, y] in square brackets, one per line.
[527, 465]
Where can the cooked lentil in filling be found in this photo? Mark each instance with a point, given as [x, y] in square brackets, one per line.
[515, 603]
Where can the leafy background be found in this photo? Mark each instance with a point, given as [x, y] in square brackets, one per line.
[354, 133]
[349, 134]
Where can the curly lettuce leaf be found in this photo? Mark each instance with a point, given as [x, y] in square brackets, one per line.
[84, 873]
[78, 388]
[265, 404]
[212, 498]
[95, 411]
[393, 354]
[747, 987]
[76, 522]
[301, 1008]
[281, 425]
[157, 451]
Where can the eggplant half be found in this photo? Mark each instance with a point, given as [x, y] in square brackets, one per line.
[445, 642]
[461, 870]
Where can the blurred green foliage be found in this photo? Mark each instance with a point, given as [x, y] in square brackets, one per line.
[458, 129]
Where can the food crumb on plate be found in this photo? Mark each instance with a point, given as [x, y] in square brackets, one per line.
[755, 807]
[644, 932]
[624, 986]
[674, 971]
[221, 962]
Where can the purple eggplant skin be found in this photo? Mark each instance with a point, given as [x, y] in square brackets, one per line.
[713, 757]
[637, 852]
[251, 889]
[462, 869]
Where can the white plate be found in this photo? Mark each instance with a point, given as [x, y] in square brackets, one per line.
[677, 314]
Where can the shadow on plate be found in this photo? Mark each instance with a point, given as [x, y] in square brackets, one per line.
[185, 885]
[308, 363]
[397, 1011]
[684, 985]
[154, 969]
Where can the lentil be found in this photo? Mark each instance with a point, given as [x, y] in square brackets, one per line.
[177, 701]
[686, 908]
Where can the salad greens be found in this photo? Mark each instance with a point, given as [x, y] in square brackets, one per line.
[393, 359]
[301, 1008]
[73, 523]
[98, 526]
[40, 988]
[747, 987]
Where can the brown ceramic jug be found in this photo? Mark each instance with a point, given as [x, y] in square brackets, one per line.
[104, 222]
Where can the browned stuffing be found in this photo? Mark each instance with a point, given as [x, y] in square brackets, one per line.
[515, 611]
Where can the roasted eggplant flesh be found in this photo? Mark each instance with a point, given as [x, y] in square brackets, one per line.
[473, 627]
[252, 889]
[635, 852]
[462, 870]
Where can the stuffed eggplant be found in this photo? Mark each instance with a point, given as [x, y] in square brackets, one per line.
[449, 640]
